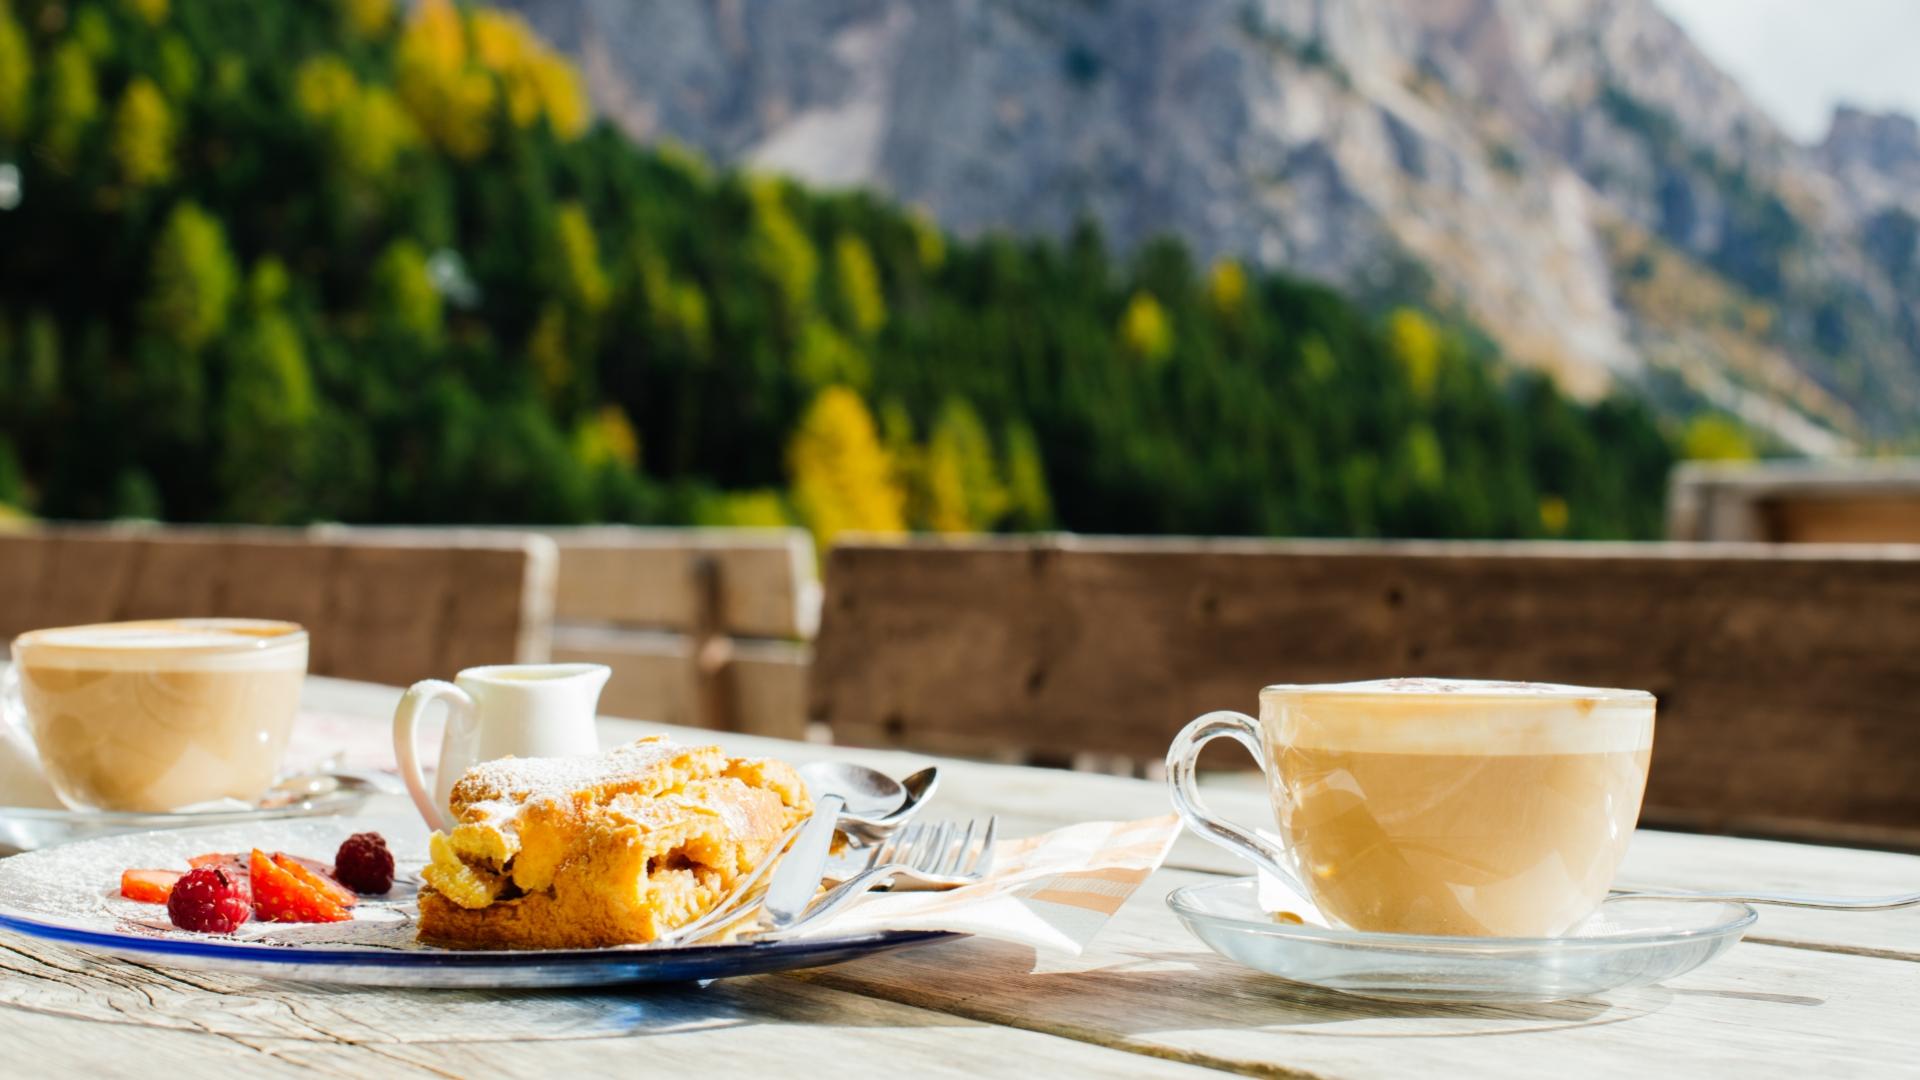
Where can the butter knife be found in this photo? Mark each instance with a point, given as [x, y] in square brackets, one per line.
[797, 878]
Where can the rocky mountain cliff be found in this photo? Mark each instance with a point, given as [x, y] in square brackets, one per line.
[1573, 175]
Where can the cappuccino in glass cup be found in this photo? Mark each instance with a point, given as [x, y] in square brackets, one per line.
[158, 715]
[1438, 806]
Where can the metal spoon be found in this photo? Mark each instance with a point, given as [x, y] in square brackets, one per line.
[839, 789]
[919, 788]
[868, 795]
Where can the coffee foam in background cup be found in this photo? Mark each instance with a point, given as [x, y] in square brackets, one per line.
[1462, 716]
[170, 644]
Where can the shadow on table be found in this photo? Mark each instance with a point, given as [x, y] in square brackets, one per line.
[1146, 991]
[54, 981]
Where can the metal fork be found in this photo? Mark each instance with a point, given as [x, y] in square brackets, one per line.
[919, 856]
[734, 904]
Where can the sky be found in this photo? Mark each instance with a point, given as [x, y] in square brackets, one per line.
[1797, 58]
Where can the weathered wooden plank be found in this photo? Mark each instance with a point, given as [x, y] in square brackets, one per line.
[1144, 985]
[175, 575]
[653, 673]
[648, 577]
[395, 611]
[1857, 501]
[768, 687]
[1858, 519]
[1787, 676]
[654, 678]
[68, 581]
[23, 566]
[191, 1021]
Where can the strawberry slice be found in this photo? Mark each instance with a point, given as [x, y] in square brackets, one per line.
[148, 886]
[278, 896]
[231, 861]
[314, 876]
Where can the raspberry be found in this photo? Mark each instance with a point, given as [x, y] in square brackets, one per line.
[278, 896]
[364, 864]
[317, 877]
[209, 900]
[148, 886]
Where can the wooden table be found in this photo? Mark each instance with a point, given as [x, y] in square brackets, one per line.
[1809, 993]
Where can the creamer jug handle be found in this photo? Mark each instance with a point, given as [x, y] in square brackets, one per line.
[460, 716]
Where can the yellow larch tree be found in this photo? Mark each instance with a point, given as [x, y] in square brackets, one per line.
[1145, 329]
[1416, 345]
[841, 477]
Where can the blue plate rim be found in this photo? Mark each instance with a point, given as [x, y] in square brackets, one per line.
[300, 955]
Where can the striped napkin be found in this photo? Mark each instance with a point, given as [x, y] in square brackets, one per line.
[1053, 891]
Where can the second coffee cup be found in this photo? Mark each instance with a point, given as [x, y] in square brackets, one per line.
[1437, 806]
[158, 715]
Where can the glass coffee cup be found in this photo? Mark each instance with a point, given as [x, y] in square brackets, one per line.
[158, 715]
[1437, 806]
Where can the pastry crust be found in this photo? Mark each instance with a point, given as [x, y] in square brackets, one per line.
[583, 852]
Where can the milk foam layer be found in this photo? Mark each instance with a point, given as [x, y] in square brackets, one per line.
[1458, 716]
[168, 645]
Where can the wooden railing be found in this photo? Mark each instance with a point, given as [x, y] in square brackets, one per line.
[1788, 677]
[708, 628]
[381, 607]
[704, 627]
[1855, 502]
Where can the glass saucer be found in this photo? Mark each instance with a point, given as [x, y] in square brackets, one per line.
[29, 828]
[1625, 943]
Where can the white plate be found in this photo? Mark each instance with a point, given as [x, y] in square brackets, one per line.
[70, 894]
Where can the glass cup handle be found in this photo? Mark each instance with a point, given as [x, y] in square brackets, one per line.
[1184, 787]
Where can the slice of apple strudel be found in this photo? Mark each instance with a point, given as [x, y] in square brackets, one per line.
[550, 853]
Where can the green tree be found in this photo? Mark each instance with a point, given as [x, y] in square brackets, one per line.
[823, 357]
[192, 278]
[72, 99]
[16, 76]
[1030, 506]
[586, 283]
[143, 135]
[780, 249]
[405, 300]
[369, 19]
[268, 409]
[963, 481]
[858, 282]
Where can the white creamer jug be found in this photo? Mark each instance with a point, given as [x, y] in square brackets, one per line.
[504, 710]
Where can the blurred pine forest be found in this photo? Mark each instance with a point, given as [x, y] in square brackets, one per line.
[331, 259]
